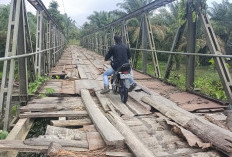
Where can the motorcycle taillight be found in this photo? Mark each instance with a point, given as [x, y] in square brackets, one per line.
[125, 72]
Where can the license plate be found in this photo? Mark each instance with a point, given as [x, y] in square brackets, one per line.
[125, 76]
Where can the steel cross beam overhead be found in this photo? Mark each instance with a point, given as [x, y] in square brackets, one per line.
[39, 6]
[145, 9]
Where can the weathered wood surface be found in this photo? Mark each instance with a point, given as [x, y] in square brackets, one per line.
[95, 141]
[40, 108]
[65, 133]
[46, 140]
[118, 154]
[54, 149]
[19, 146]
[193, 123]
[137, 108]
[54, 114]
[65, 123]
[82, 73]
[103, 100]
[19, 132]
[110, 135]
[119, 106]
[133, 142]
[137, 95]
[87, 84]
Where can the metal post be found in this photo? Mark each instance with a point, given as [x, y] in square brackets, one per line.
[105, 43]
[39, 44]
[214, 47]
[112, 33]
[191, 44]
[54, 44]
[48, 45]
[21, 49]
[152, 46]
[144, 45]
[125, 37]
[175, 44]
[11, 47]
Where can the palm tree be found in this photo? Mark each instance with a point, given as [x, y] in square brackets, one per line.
[221, 14]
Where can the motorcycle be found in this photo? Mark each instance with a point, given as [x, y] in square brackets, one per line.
[120, 81]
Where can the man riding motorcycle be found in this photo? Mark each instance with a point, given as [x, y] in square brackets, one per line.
[121, 55]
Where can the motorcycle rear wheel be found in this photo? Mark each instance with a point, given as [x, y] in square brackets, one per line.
[124, 94]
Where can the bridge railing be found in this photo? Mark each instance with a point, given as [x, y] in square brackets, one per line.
[100, 39]
[50, 43]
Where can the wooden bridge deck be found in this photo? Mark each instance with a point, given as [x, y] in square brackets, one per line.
[87, 123]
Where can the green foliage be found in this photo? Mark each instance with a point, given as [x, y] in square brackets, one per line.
[182, 10]
[4, 15]
[33, 86]
[3, 134]
[66, 23]
[57, 77]
[49, 91]
[177, 78]
[210, 87]
[14, 109]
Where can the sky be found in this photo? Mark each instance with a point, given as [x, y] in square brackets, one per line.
[79, 10]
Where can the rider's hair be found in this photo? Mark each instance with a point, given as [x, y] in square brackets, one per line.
[117, 39]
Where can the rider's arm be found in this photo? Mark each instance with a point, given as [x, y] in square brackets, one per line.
[109, 54]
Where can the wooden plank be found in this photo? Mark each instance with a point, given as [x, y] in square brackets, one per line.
[54, 114]
[118, 154]
[133, 142]
[87, 84]
[119, 106]
[82, 73]
[19, 132]
[110, 135]
[208, 132]
[65, 123]
[19, 146]
[103, 100]
[63, 142]
[136, 107]
[95, 141]
[137, 95]
[40, 108]
[68, 87]
[65, 133]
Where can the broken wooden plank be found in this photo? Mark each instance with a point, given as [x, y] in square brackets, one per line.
[54, 114]
[65, 123]
[110, 135]
[82, 73]
[95, 141]
[119, 106]
[137, 95]
[65, 133]
[103, 100]
[87, 84]
[210, 133]
[136, 107]
[133, 142]
[54, 149]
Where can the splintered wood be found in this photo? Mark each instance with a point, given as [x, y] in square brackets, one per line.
[87, 123]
